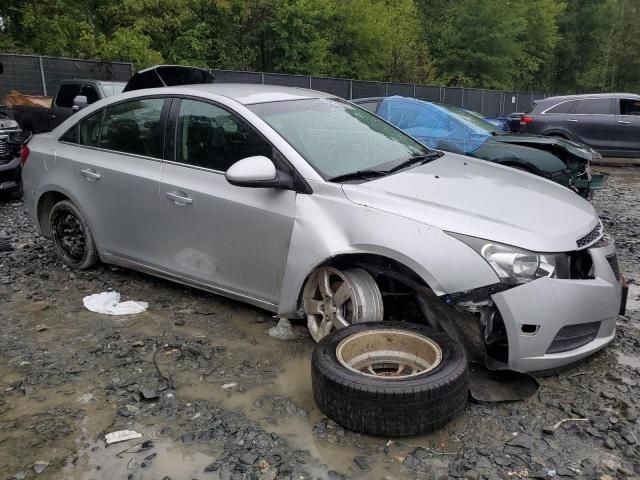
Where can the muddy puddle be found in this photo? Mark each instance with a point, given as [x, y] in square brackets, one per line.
[264, 380]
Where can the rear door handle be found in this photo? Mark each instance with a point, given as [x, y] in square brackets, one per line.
[90, 174]
[624, 122]
[571, 120]
[179, 198]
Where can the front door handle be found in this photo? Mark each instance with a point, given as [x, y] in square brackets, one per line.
[179, 198]
[571, 120]
[90, 174]
[624, 122]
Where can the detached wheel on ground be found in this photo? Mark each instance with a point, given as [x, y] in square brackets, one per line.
[71, 236]
[389, 378]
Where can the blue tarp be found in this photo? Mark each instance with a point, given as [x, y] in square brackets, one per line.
[433, 125]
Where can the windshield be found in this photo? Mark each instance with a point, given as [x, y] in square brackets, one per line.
[336, 137]
[472, 118]
[111, 89]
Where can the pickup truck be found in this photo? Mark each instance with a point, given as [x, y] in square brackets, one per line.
[73, 95]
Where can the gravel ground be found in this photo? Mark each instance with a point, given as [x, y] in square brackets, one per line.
[216, 398]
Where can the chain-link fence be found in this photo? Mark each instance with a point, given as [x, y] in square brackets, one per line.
[37, 75]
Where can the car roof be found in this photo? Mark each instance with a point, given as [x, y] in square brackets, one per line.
[247, 93]
[367, 99]
[588, 95]
[91, 80]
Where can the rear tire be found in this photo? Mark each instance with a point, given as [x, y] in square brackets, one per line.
[71, 236]
[391, 403]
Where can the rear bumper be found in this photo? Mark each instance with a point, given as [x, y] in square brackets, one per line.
[547, 305]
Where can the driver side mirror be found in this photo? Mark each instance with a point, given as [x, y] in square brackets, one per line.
[255, 172]
[79, 102]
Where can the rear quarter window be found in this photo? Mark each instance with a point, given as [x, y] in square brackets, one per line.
[564, 107]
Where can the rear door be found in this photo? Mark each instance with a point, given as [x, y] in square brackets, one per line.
[116, 166]
[628, 126]
[592, 122]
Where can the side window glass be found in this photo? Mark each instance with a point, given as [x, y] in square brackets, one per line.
[89, 92]
[90, 129]
[66, 94]
[564, 107]
[630, 107]
[599, 106]
[210, 137]
[133, 127]
[71, 136]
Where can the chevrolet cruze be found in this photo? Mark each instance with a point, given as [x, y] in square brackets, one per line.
[306, 205]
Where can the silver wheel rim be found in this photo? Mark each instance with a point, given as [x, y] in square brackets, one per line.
[335, 299]
[389, 353]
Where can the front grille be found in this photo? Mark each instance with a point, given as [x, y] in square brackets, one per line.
[590, 237]
[574, 336]
[613, 262]
[4, 148]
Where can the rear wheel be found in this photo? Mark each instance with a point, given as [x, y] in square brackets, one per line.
[71, 236]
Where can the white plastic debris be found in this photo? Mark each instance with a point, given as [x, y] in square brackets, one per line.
[109, 304]
[285, 331]
[227, 386]
[121, 436]
[40, 466]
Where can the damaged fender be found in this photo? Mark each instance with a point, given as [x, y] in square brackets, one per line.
[322, 231]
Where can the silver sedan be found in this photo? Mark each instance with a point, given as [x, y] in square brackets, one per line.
[308, 206]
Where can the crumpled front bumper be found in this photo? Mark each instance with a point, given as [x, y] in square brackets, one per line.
[546, 305]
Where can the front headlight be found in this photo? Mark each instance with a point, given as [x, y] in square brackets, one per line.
[8, 123]
[514, 265]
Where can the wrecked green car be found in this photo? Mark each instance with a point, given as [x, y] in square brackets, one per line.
[456, 130]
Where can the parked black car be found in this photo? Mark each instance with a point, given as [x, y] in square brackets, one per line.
[608, 122]
[72, 96]
[10, 143]
[513, 121]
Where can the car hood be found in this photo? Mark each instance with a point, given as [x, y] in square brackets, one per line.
[537, 160]
[471, 197]
[573, 148]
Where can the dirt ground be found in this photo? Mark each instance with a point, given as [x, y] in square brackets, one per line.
[215, 397]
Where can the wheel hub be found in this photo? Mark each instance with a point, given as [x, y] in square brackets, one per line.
[335, 299]
[389, 353]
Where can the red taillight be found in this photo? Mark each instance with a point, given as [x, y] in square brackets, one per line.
[526, 120]
[24, 154]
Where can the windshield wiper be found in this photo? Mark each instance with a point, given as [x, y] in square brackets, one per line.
[358, 175]
[419, 158]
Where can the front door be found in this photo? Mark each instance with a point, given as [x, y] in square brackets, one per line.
[232, 238]
[628, 126]
[63, 104]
